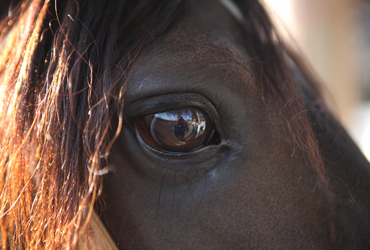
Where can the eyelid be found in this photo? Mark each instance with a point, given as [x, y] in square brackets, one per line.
[163, 103]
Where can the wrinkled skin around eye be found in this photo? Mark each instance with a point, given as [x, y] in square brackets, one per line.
[179, 130]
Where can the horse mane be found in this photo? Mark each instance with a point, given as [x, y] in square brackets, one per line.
[286, 78]
[65, 65]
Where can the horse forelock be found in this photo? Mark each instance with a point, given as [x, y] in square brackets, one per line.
[233, 9]
[54, 131]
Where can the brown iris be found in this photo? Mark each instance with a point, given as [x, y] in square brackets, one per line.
[178, 130]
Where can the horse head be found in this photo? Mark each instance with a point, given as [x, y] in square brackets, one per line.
[182, 124]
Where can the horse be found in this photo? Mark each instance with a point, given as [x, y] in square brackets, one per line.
[94, 92]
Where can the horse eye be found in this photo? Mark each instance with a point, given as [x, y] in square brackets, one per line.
[178, 130]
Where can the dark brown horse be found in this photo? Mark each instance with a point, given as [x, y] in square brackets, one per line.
[91, 92]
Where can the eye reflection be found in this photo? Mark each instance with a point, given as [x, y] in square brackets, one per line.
[179, 130]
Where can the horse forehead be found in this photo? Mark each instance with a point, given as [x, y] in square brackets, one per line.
[190, 68]
[190, 56]
[212, 14]
[204, 40]
[205, 22]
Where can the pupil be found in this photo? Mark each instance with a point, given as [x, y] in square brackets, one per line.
[178, 130]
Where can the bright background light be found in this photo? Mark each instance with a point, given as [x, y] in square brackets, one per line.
[334, 36]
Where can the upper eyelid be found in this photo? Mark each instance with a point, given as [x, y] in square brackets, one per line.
[163, 103]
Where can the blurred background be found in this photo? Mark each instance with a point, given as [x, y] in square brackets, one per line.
[334, 37]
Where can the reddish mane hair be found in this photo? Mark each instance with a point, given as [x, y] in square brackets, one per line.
[64, 67]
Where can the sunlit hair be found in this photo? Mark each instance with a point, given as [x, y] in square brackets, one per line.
[63, 72]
